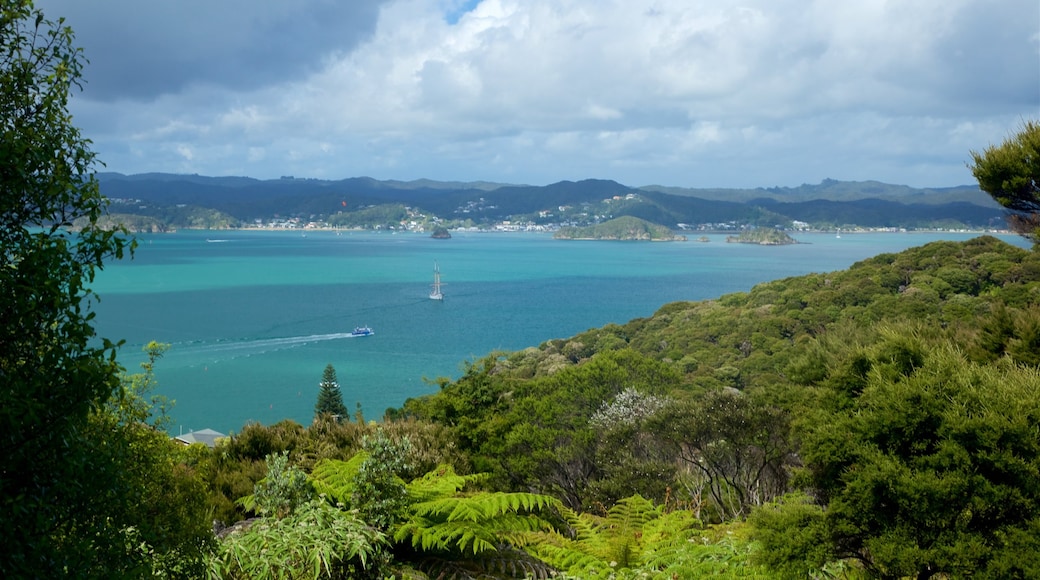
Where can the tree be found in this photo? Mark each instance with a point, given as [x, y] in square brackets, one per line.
[330, 399]
[1010, 173]
[379, 493]
[927, 470]
[53, 369]
[145, 483]
[284, 489]
[734, 445]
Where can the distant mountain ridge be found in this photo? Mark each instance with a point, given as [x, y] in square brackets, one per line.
[834, 190]
[868, 204]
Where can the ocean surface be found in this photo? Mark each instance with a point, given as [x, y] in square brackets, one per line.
[253, 317]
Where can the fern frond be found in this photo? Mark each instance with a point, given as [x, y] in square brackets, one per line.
[583, 526]
[566, 555]
[672, 528]
[475, 523]
[248, 502]
[700, 557]
[632, 513]
[442, 482]
[483, 506]
[334, 478]
[446, 536]
[635, 535]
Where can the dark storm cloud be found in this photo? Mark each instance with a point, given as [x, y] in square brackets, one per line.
[140, 49]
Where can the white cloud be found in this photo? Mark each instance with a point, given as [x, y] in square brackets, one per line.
[185, 152]
[683, 92]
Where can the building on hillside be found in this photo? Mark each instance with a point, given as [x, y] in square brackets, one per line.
[207, 437]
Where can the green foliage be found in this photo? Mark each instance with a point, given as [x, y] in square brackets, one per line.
[379, 494]
[135, 400]
[547, 442]
[735, 445]
[794, 536]
[441, 483]
[471, 535]
[1010, 173]
[237, 464]
[316, 541]
[929, 467]
[334, 478]
[388, 216]
[330, 398]
[763, 237]
[474, 523]
[637, 539]
[283, 489]
[527, 418]
[147, 488]
[54, 370]
[622, 228]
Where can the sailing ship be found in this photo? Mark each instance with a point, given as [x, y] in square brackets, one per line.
[435, 294]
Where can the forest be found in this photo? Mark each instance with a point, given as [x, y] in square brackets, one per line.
[877, 422]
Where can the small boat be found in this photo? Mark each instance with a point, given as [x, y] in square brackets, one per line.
[362, 331]
[435, 294]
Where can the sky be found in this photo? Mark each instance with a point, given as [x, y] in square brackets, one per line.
[685, 93]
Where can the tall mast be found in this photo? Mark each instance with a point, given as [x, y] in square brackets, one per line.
[436, 293]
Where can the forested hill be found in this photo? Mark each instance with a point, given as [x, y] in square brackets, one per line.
[904, 392]
[168, 198]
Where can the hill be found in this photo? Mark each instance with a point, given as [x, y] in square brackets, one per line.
[880, 385]
[762, 237]
[622, 228]
[834, 190]
[245, 200]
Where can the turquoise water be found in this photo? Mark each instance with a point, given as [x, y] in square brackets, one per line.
[253, 317]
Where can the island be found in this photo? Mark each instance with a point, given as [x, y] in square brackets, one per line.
[622, 228]
[441, 233]
[763, 237]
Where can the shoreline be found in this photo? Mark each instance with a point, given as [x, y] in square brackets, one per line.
[499, 231]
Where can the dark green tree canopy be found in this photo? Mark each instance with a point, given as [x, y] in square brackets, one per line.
[53, 372]
[927, 468]
[330, 399]
[1010, 173]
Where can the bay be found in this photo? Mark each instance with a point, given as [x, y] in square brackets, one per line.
[254, 316]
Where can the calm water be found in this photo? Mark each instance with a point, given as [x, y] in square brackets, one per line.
[254, 317]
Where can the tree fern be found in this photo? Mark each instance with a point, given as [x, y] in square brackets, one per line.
[625, 521]
[638, 540]
[442, 482]
[334, 478]
[475, 523]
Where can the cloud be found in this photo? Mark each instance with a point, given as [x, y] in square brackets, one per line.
[143, 49]
[681, 92]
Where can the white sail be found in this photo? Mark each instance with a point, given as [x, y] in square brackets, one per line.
[435, 294]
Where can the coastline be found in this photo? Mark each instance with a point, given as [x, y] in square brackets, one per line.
[494, 230]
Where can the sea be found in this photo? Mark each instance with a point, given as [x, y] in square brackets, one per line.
[253, 317]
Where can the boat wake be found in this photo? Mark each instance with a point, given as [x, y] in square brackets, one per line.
[205, 351]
